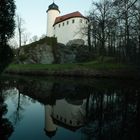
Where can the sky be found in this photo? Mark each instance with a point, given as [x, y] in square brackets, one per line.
[33, 12]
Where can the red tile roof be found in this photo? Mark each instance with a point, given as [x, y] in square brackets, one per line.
[68, 16]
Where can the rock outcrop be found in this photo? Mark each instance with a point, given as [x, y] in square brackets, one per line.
[48, 51]
[74, 53]
[41, 53]
[65, 54]
[76, 42]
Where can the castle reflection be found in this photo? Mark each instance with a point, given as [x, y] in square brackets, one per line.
[102, 110]
[65, 113]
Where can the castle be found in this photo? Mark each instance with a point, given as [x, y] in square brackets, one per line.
[67, 27]
[66, 114]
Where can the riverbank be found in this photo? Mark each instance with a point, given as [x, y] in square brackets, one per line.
[91, 69]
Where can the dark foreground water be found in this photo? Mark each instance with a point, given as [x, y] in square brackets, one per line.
[70, 109]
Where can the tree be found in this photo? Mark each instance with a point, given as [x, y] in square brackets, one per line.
[136, 11]
[34, 38]
[25, 37]
[6, 127]
[127, 22]
[20, 28]
[7, 26]
[115, 29]
[19, 25]
[100, 18]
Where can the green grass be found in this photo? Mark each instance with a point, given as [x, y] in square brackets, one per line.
[40, 66]
[105, 66]
[89, 65]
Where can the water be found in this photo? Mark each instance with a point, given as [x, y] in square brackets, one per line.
[43, 108]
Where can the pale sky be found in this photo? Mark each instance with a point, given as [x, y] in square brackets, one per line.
[34, 14]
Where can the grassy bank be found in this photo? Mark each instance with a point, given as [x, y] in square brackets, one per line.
[90, 65]
[90, 69]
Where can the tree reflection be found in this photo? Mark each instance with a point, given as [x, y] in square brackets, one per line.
[111, 112]
[20, 101]
[114, 114]
[6, 128]
[17, 114]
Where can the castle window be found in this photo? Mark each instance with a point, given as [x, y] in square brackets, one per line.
[63, 23]
[80, 20]
[73, 21]
[86, 22]
[70, 122]
[59, 25]
[78, 122]
[67, 22]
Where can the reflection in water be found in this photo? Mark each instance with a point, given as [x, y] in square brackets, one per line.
[114, 115]
[6, 128]
[98, 109]
[19, 100]
[63, 113]
[50, 127]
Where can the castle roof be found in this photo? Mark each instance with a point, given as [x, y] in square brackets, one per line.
[53, 6]
[68, 16]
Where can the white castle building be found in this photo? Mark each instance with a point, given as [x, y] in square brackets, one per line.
[67, 27]
[69, 115]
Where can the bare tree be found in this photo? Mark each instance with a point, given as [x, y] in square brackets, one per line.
[101, 16]
[136, 27]
[35, 38]
[25, 37]
[114, 29]
[20, 28]
[126, 22]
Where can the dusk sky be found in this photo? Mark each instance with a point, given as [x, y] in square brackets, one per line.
[34, 14]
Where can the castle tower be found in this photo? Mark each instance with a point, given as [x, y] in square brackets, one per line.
[52, 13]
[50, 127]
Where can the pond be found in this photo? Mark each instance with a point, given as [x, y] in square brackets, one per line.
[43, 108]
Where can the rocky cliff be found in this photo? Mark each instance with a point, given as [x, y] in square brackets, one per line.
[48, 51]
[41, 52]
